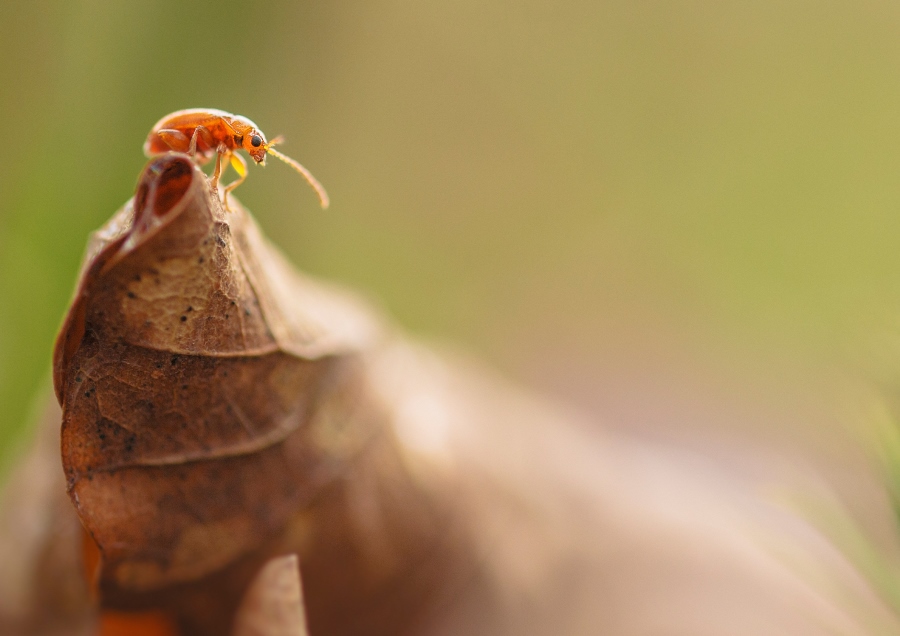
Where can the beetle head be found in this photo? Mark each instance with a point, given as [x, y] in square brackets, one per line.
[256, 145]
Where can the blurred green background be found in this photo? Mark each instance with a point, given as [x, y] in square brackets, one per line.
[621, 203]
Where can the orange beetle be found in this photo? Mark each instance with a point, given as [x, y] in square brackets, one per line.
[204, 132]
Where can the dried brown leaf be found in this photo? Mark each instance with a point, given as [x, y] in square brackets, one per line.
[220, 410]
[213, 403]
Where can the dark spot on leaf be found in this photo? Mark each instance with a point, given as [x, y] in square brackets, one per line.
[131, 294]
[184, 319]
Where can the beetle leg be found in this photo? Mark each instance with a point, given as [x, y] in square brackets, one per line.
[240, 166]
[218, 171]
[200, 132]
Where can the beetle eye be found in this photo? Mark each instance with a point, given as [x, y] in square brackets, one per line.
[256, 141]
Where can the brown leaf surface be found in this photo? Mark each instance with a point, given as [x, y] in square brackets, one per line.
[220, 410]
[208, 393]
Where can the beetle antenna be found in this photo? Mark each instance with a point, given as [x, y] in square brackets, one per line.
[311, 180]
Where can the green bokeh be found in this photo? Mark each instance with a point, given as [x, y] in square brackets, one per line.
[534, 179]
